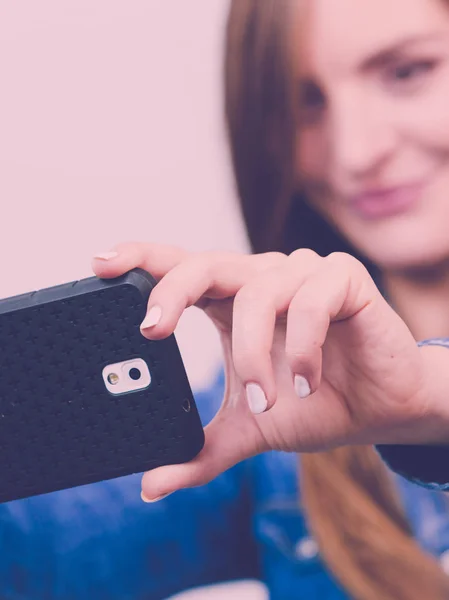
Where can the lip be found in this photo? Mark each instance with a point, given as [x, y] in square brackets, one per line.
[386, 202]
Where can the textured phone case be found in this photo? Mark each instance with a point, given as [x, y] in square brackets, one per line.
[59, 425]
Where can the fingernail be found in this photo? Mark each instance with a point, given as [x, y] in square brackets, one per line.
[153, 317]
[256, 398]
[302, 387]
[106, 255]
[151, 500]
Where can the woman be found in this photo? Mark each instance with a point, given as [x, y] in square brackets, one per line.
[337, 122]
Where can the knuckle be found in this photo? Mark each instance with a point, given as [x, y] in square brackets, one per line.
[196, 267]
[255, 293]
[247, 295]
[296, 355]
[306, 310]
[201, 477]
[304, 306]
[349, 266]
[303, 354]
[212, 257]
[247, 361]
[170, 293]
[196, 261]
[304, 254]
[273, 259]
[345, 261]
[213, 262]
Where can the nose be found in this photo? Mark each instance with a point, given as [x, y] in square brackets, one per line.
[362, 139]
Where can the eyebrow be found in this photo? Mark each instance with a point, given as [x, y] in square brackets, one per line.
[394, 51]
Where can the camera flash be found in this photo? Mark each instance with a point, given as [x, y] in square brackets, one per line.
[113, 378]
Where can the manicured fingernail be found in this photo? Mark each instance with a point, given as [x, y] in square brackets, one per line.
[153, 317]
[302, 387]
[151, 500]
[106, 255]
[256, 398]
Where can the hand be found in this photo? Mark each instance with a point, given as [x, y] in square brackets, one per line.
[291, 327]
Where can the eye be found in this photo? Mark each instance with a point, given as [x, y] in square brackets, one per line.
[408, 76]
[312, 103]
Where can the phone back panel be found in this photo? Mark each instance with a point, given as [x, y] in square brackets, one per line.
[59, 425]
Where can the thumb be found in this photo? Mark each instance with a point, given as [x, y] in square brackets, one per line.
[226, 444]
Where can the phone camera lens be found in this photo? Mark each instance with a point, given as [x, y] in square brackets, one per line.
[134, 373]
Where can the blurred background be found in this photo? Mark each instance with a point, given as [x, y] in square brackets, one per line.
[111, 130]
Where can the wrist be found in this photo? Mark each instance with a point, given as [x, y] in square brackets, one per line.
[433, 426]
[428, 420]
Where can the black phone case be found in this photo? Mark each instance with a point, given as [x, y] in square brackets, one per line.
[59, 425]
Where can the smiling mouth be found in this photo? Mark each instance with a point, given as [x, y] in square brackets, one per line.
[386, 202]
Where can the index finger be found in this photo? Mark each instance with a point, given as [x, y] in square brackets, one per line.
[157, 259]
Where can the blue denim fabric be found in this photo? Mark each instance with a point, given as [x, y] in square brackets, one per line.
[102, 542]
[424, 465]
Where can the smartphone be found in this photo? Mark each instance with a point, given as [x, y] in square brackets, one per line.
[84, 397]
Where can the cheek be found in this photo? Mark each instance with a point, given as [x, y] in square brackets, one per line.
[311, 171]
[425, 118]
[309, 155]
[413, 239]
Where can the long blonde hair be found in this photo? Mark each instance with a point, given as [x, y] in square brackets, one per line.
[348, 495]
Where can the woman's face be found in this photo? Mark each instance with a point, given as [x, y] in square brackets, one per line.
[373, 124]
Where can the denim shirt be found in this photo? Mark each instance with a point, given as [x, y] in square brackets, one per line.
[101, 541]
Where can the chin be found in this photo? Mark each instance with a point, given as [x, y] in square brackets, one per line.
[409, 257]
[414, 240]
